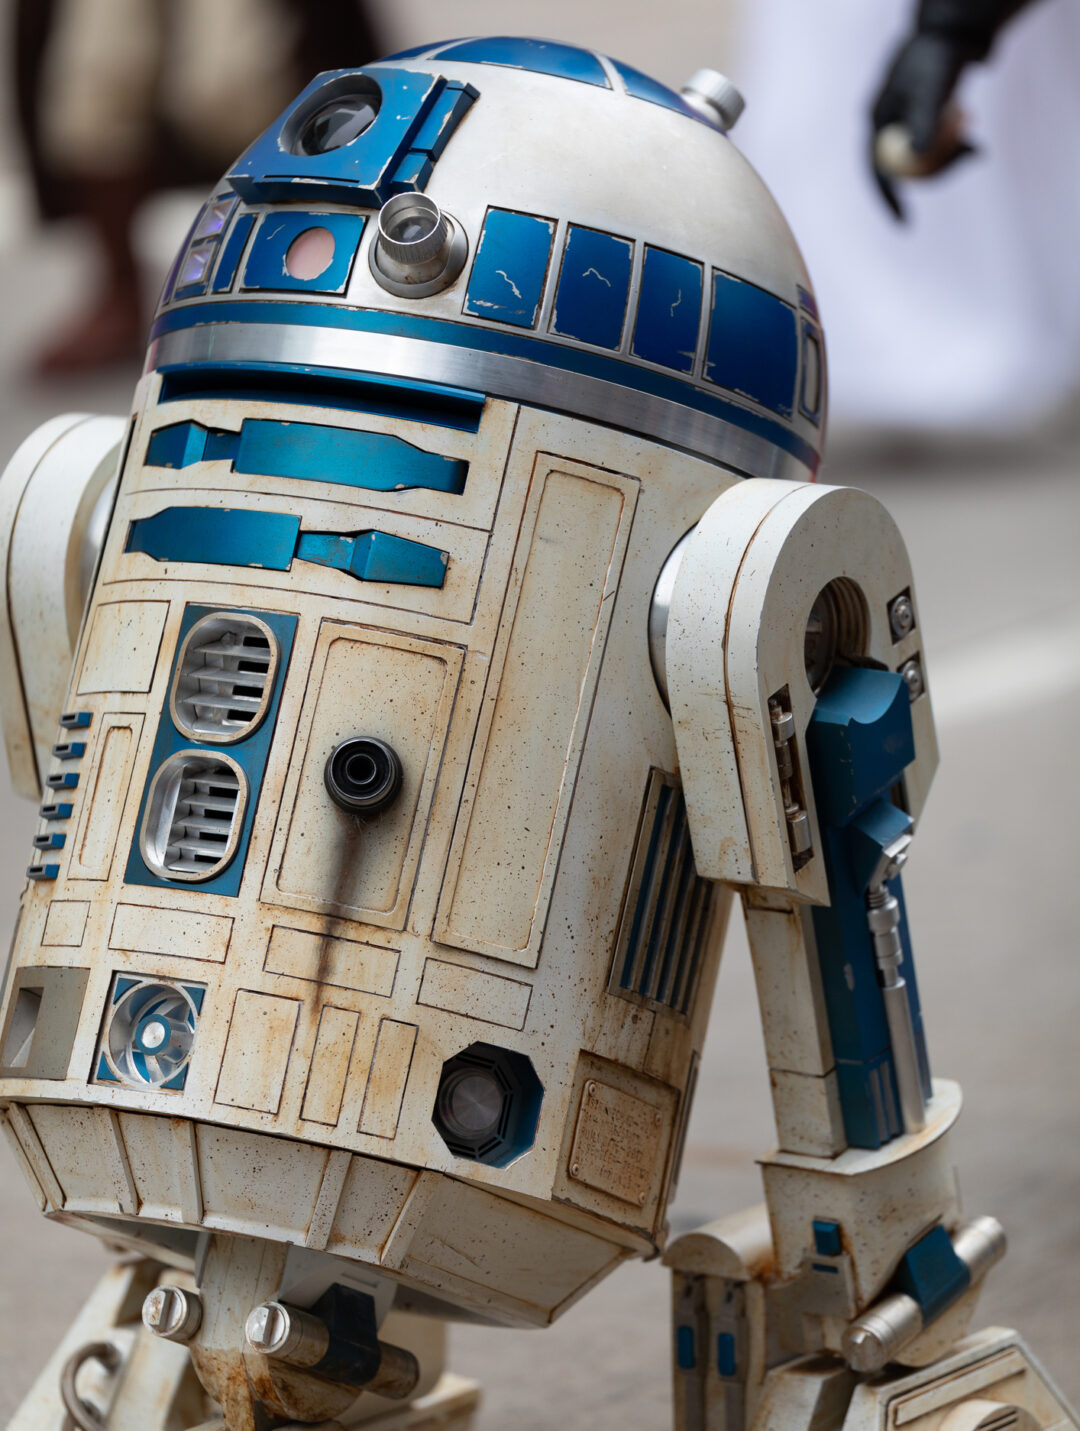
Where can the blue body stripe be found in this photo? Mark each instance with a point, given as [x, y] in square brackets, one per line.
[669, 310]
[753, 344]
[543, 57]
[466, 335]
[373, 461]
[339, 388]
[594, 282]
[271, 541]
[510, 268]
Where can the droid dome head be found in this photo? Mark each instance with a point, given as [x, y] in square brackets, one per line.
[524, 219]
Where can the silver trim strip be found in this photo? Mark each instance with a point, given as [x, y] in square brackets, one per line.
[518, 379]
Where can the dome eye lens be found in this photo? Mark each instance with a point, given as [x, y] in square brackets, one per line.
[338, 122]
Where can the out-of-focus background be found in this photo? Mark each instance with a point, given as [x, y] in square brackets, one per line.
[956, 361]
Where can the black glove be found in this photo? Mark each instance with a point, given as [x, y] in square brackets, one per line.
[949, 35]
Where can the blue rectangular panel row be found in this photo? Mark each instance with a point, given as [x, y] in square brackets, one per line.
[753, 341]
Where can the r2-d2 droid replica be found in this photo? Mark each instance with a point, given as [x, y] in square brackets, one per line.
[453, 634]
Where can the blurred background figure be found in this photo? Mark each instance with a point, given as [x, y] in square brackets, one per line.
[968, 317]
[121, 99]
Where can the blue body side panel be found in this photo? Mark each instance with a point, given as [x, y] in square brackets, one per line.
[594, 281]
[753, 344]
[859, 741]
[544, 57]
[375, 461]
[265, 267]
[669, 310]
[510, 268]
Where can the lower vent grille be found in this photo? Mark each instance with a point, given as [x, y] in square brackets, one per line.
[224, 677]
[667, 912]
[193, 816]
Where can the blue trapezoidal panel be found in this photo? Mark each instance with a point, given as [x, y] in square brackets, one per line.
[266, 264]
[375, 461]
[594, 281]
[232, 253]
[542, 57]
[669, 310]
[753, 344]
[642, 86]
[510, 268]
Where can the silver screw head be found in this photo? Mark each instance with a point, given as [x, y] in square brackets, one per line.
[901, 616]
[912, 676]
[267, 1327]
[172, 1313]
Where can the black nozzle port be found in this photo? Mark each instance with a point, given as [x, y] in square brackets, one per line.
[363, 775]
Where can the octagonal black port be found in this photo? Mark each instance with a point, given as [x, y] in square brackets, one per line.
[488, 1104]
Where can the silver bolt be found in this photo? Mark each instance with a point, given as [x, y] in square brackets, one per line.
[172, 1313]
[714, 97]
[912, 677]
[901, 616]
[267, 1327]
[575, 1170]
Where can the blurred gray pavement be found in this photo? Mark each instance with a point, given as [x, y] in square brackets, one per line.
[992, 886]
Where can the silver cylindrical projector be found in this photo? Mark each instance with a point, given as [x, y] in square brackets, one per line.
[880, 1334]
[418, 249]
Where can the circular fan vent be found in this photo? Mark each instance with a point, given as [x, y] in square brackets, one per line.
[150, 1034]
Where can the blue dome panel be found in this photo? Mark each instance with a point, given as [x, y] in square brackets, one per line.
[642, 86]
[542, 57]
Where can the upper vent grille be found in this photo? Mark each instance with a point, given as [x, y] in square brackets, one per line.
[224, 677]
[193, 816]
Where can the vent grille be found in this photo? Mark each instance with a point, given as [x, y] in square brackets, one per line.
[666, 914]
[193, 816]
[224, 678]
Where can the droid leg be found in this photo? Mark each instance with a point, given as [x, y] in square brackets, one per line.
[803, 726]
